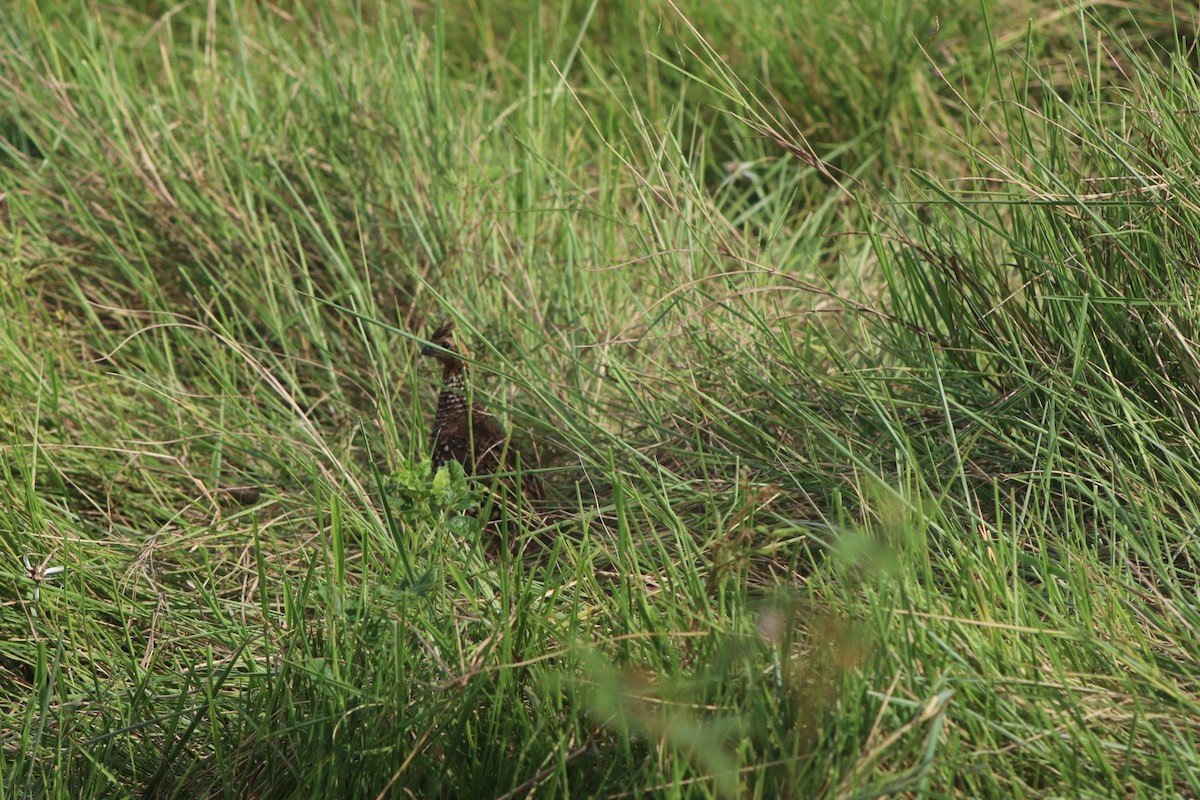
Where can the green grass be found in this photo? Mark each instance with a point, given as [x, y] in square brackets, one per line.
[872, 470]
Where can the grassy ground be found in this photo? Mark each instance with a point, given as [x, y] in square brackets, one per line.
[856, 343]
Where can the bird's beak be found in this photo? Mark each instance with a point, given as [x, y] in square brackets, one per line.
[428, 350]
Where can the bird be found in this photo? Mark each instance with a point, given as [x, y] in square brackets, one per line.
[463, 430]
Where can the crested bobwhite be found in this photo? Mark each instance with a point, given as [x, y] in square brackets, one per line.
[462, 430]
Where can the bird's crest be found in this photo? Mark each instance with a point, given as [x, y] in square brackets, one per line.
[443, 333]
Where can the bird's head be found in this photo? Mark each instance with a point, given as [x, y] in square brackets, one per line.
[442, 346]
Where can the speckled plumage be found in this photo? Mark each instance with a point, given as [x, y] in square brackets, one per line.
[464, 431]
